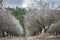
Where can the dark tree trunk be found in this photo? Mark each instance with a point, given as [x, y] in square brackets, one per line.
[3, 34]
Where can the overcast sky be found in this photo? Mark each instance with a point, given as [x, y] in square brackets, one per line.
[25, 3]
[13, 3]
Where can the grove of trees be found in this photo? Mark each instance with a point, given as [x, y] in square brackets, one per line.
[31, 22]
[35, 20]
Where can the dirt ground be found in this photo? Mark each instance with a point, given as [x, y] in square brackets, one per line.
[39, 37]
[31, 38]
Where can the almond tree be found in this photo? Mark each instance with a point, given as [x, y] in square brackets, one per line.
[8, 23]
[37, 19]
